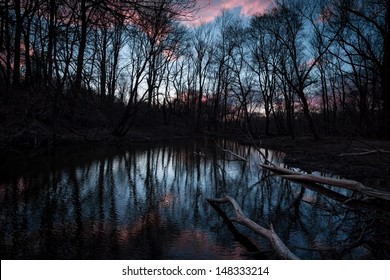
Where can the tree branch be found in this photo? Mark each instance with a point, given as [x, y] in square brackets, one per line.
[343, 183]
[279, 246]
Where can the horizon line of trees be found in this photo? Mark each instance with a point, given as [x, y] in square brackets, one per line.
[320, 67]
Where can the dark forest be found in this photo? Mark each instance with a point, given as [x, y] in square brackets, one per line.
[314, 68]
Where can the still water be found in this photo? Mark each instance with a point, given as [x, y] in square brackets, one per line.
[148, 201]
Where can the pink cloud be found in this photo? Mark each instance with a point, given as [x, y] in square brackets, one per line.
[248, 7]
[212, 8]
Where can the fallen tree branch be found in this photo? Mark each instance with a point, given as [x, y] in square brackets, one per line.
[234, 154]
[374, 147]
[348, 201]
[246, 242]
[343, 183]
[366, 152]
[230, 152]
[279, 246]
[279, 169]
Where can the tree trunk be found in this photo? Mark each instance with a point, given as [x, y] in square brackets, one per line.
[51, 42]
[199, 104]
[27, 54]
[114, 69]
[18, 34]
[82, 46]
[267, 117]
[307, 114]
[385, 74]
[103, 70]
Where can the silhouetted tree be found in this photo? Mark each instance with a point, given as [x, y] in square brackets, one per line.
[365, 42]
[264, 60]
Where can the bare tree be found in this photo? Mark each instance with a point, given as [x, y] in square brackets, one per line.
[202, 59]
[153, 24]
[225, 44]
[365, 41]
[243, 80]
[265, 57]
[298, 20]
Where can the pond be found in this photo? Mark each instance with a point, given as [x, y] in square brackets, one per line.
[149, 201]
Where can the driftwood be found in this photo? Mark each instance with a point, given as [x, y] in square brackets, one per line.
[366, 152]
[280, 248]
[343, 183]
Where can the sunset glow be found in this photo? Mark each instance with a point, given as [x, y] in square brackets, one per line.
[212, 8]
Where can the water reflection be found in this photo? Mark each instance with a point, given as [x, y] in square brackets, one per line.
[149, 202]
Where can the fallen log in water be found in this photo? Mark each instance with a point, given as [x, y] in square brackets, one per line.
[279, 246]
[343, 183]
[279, 169]
[245, 241]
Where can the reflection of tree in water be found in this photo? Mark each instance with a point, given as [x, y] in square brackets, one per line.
[150, 202]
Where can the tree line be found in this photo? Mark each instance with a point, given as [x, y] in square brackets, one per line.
[320, 67]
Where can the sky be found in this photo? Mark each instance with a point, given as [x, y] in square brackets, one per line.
[212, 8]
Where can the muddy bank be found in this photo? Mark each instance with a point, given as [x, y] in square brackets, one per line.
[352, 158]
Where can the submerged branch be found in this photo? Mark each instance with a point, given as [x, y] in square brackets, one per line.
[250, 138]
[230, 152]
[279, 246]
[234, 154]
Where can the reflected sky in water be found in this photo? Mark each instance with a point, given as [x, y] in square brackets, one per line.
[149, 202]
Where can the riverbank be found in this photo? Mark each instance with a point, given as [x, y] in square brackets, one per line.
[352, 158]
